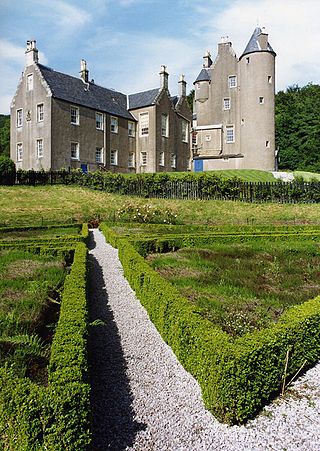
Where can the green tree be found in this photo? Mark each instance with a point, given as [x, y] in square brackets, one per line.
[190, 98]
[298, 127]
[4, 135]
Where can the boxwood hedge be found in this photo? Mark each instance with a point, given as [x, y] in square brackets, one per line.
[56, 417]
[237, 376]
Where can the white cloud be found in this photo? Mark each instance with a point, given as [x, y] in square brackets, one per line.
[62, 14]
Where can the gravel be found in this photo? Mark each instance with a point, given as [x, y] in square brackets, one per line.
[143, 399]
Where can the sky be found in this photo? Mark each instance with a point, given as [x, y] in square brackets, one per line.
[126, 41]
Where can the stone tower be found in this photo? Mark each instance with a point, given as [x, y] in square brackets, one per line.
[234, 106]
[257, 98]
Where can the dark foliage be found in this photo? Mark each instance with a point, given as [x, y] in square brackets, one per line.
[7, 171]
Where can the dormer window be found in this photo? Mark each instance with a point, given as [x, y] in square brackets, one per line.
[114, 124]
[30, 82]
[232, 81]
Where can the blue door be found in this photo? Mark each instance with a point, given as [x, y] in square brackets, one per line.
[84, 168]
[198, 165]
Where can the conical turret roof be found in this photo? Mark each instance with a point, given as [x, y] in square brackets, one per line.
[203, 76]
[254, 46]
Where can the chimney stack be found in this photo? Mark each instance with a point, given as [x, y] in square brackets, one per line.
[207, 61]
[31, 53]
[84, 73]
[183, 86]
[164, 77]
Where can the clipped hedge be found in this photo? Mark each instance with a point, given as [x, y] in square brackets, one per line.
[237, 376]
[56, 417]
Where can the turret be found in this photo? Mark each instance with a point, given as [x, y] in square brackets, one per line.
[202, 82]
[257, 97]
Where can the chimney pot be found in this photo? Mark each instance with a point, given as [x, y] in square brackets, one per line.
[32, 54]
[84, 73]
[183, 86]
[164, 78]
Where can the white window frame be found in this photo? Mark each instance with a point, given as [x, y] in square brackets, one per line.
[165, 125]
[99, 121]
[230, 139]
[74, 118]
[99, 151]
[161, 159]
[227, 103]
[173, 161]
[114, 157]
[185, 131]
[131, 129]
[232, 81]
[144, 158]
[131, 160]
[77, 150]
[114, 125]
[30, 82]
[40, 112]
[19, 151]
[19, 117]
[39, 147]
[144, 131]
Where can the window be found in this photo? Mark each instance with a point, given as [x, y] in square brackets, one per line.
[131, 160]
[99, 121]
[164, 125]
[19, 118]
[74, 113]
[30, 82]
[232, 81]
[143, 158]
[261, 100]
[131, 129]
[248, 60]
[161, 159]
[19, 152]
[40, 112]
[185, 131]
[114, 157]
[227, 103]
[39, 148]
[269, 79]
[230, 133]
[114, 124]
[99, 155]
[173, 160]
[144, 124]
[75, 151]
[268, 144]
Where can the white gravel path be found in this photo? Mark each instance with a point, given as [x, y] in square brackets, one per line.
[149, 402]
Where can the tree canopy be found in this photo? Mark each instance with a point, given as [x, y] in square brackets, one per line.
[4, 135]
[298, 128]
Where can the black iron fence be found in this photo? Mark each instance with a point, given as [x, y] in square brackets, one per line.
[200, 186]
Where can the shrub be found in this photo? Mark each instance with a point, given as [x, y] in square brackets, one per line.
[237, 376]
[145, 213]
[7, 171]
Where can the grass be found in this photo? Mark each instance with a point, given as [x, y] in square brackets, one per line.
[38, 233]
[63, 204]
[307, 176]
[247, 175]
[26, 281]
[243, 287]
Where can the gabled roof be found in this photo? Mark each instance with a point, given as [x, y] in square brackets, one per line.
[254, 46]
[142, 99]
[203, 76]
[74, 90]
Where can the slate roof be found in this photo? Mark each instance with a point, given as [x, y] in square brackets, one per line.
[74, 90]
[203, 76]
[253, 44]
[174, 100]
[142, 99]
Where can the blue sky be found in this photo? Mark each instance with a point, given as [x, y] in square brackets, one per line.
[126, 41]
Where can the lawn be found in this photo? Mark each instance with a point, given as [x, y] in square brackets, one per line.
[243, 286]
[63, 204]
[27, 282]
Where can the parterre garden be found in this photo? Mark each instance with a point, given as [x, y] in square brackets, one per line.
[232, 288]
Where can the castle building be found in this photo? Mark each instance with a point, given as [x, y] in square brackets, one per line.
[60, 121]
[234, 108]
